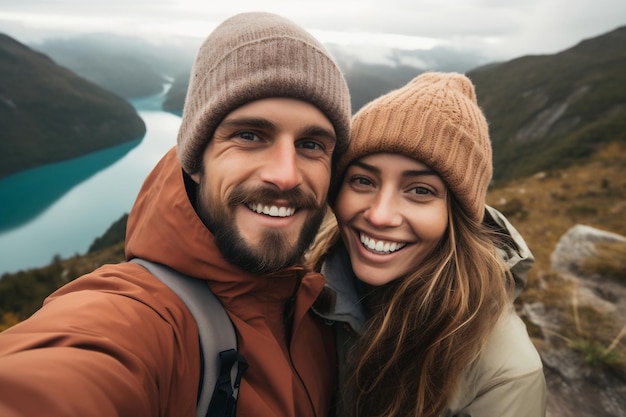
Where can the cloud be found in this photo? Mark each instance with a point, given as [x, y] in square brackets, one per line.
[497, 28]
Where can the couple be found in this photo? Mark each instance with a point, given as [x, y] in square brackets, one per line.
[416, 316]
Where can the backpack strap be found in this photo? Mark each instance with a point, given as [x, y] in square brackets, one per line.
[222, 366]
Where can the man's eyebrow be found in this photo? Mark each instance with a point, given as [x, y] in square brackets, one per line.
[406, 174]
[243, 122]
[262, 123]
[317, 131]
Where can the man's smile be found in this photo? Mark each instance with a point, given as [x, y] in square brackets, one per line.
[273, 210]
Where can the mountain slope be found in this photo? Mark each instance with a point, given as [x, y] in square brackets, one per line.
[366, 80]
[544, 111]
[128, 66]
[554, 110]
[48, 113]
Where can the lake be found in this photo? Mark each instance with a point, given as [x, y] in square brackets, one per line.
[59, 209]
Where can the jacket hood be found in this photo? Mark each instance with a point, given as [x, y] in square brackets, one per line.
[164, 227]
[515, 252]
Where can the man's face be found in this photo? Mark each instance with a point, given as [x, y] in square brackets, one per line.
[264, 182]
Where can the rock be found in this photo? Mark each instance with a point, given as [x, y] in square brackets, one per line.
[576, 245]
[575, 388]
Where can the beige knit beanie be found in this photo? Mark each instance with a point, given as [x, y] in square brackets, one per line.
[258, 55]
[435, 119]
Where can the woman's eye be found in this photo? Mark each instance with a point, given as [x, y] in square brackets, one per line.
[421, 191]
[361, 181]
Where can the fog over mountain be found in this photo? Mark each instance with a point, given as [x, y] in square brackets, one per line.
[132, 67]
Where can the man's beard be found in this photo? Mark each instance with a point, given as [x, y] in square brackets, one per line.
[273, 252]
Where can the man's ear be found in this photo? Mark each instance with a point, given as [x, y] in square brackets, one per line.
[195, 177]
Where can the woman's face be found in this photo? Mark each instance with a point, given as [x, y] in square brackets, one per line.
[392, 212]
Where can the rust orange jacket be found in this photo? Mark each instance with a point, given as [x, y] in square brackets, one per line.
[117, 342]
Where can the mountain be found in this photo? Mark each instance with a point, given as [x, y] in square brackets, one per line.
[128, 66]
[551, 111]
[366, 78]
[49, 114]
[545, 112]
[133, 68]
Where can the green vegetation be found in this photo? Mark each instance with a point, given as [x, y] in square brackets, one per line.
[595, 354]
[549, 112]
[592, 345]
[49, 114]
[114, 235]
[22, 293]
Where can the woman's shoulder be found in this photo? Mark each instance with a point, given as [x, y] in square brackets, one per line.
[508, 375]
[509, 352]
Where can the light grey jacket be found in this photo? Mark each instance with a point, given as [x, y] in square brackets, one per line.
[506, 381]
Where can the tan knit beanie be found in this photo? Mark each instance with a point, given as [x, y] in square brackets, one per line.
[435, 119]
[258, 55]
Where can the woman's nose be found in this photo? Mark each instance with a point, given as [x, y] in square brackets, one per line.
[383, 211]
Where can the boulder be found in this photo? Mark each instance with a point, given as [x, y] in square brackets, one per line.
[577, 388]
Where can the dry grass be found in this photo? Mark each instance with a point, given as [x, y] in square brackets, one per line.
[610, 261]
[546, 206]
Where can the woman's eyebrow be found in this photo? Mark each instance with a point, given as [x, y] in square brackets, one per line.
[366, 167]
[408, 174]
[419, 173]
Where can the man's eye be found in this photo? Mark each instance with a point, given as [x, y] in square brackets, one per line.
[247, 136]
[310, 144]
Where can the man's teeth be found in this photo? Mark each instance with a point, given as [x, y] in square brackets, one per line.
[380, 246]
[273, 211]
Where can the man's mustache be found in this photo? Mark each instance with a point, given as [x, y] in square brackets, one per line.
[268, 195]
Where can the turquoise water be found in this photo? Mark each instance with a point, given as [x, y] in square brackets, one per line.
[59, 209]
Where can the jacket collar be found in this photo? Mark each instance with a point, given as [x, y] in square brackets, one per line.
[341, 299]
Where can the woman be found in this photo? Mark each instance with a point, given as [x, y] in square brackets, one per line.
[416, 273]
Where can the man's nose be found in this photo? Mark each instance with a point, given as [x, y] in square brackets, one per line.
[282, 167]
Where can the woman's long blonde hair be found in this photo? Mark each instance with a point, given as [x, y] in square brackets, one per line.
[426, 328]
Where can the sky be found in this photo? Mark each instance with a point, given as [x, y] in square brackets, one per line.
[497, 29]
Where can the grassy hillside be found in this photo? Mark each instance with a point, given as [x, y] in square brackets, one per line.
[551, 111]
[49, 114]
[545, 112]
[543, 208]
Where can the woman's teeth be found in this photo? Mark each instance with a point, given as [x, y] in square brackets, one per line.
[380, 246]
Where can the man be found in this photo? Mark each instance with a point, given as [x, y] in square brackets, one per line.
[235, 204]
